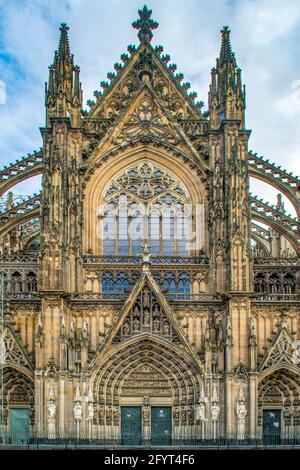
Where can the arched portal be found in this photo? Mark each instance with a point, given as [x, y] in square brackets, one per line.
[279, 402]
[145, 372]
[18, 403]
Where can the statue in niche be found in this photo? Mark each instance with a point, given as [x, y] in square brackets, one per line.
[166, 329]
[215, 412]
[90, 411]
[156, 311]
[155, 326]
[200, 412]
[146, 299]
[146, 317]
[136, 325]
[136, 311]
[126, 329]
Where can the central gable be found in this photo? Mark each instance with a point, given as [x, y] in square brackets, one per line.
[145, 121]
[145, 65]
[147, 316]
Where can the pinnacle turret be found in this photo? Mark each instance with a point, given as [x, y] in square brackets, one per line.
[63, 90]
[64, 46]
[226, 54]
[226, 93]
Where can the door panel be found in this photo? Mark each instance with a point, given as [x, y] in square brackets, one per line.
[161, 425]
[272, 425]
[131, 425]
[19, 425]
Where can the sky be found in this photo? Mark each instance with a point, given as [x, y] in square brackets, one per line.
[265, 38]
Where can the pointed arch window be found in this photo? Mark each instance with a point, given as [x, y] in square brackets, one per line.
[145, 203]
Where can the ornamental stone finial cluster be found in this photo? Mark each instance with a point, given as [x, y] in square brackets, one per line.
[145, 25]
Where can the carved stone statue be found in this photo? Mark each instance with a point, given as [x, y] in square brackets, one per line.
[241, 412]
[51, 414]
[126, 328]
[215, 412]
[90, 411]
[146, 299]
[136, 325]
[77, 407]
[155, 326]
[77, 411]
[200, 412]
[51, 409]
[146, 317]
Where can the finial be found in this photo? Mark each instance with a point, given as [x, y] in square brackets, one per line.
[90, 395]
[51, 393]
[77, 395]
[203, 398]
[145, 24]
[214, 397]
[63, 46]
[241, 397]
[226, 54]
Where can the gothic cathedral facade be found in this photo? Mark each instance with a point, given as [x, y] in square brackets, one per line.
[147, 294]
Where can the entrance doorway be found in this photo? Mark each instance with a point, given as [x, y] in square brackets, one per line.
[131, 425]
[161, 425]
[272, 426]
[19, 425]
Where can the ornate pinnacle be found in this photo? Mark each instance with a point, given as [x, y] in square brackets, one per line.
[145, 24]
[63, 46]
[226, 54]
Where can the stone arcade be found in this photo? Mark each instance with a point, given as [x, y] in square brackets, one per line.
[111, 337]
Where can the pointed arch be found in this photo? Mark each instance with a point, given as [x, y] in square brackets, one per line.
[96, 185]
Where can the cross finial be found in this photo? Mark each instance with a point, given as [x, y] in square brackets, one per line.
[145, 24]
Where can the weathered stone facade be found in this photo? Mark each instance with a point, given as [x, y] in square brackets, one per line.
[91, 325]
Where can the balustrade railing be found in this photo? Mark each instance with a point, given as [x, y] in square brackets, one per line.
[164, 260]
[280, 261]
[19, 258]
[276, 297]
[120, 296]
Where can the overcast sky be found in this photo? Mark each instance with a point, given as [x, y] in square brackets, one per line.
[265, 37]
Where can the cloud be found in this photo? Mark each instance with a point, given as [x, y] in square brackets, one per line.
[265, 38]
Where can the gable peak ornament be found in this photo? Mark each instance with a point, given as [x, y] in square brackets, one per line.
[145, 25]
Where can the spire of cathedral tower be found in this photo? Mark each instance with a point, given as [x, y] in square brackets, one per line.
[226, 54]
[63, 91]
[145, 24]
[64, 46]
[226, 92]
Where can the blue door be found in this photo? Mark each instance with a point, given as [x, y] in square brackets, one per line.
[131, 425]
[272, 426]
[19, 425]
[161, 425]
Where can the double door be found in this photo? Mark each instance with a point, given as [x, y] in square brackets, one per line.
[132, 426]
